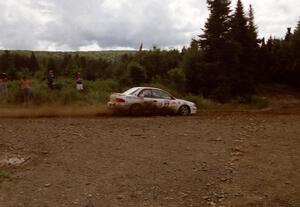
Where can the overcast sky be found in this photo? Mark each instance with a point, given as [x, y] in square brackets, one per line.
[123, 24]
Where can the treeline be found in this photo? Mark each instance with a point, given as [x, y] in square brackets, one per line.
[226, 61]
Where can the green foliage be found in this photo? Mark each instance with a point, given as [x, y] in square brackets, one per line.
[14, 93]
[192, 61]
[224, 68]
[176, 79]
[33, 64]
[240, 103]
[95, 92]
[257, 102]
[137, 73]
[219, 67]
[23, 72]
[215, 37]
[202, 103]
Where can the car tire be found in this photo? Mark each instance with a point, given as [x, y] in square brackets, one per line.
[184, 110]
[135, 109]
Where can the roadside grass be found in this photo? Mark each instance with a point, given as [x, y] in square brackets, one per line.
[65, 101]
[64, 93]
[254, 103]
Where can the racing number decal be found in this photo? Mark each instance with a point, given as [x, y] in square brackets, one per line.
[166, 103]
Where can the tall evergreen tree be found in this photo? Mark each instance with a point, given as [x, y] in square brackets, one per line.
[190, 65]
[239, 28]
[288, 34]
[246, 41]
[296, 39]
[295, 50]
[220, 52]
[253, 41]
[252, 26]
[216, 29]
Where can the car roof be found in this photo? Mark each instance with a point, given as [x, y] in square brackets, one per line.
[149, 88]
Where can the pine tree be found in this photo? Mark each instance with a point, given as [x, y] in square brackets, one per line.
[190, 64]
[253, 39]
[296, 39]
[213, 41]
[216, 69]
[243, 33]
[239, 29]
[295, 50]
[288, 34]
[252, 27]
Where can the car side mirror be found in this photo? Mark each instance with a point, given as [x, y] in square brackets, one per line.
[141, 96]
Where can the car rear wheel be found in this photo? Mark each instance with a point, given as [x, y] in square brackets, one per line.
[184, 110]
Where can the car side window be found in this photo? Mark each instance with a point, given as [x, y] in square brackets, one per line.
[147, 93]
[160, 94]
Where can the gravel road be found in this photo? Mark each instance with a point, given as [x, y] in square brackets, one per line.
[212, 159]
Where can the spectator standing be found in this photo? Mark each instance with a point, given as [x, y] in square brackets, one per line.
[51, 79]
[79, 82]
[25, 89]
[3, 85]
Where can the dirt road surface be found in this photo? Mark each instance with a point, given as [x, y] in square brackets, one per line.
[212, 159]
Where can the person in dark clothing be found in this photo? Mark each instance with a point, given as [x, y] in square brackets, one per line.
[51, 79]
[79, 82]
[3, 85]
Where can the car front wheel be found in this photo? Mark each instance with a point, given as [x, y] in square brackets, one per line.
[184, 110]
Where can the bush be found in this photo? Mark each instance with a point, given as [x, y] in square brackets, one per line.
[137, 73]
[64, 92]
[202, 103]
[176, 79]
[259, 102]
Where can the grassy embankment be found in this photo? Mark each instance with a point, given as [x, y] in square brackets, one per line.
[65, 101]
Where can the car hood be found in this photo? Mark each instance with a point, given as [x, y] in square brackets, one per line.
[189, 103]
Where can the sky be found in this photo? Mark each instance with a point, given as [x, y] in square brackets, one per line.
[89, 25]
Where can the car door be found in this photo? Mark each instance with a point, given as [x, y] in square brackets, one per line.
[148, 103]
[161, 99]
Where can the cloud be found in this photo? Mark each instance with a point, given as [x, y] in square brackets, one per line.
[273, 17]
[111, 24]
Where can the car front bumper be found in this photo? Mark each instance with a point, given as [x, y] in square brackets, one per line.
[193, 109]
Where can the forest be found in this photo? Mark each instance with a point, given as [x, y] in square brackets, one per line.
[225, 62]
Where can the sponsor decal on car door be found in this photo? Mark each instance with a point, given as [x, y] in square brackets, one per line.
[148, 102]
[162, 99]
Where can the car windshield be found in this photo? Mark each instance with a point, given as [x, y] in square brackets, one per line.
[130, 91]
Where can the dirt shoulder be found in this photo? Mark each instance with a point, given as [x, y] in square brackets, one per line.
[215, 159]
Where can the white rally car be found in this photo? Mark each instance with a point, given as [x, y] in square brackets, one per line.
[147, 99]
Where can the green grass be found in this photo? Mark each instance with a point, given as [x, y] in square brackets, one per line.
[96, 92]
[67, 100]
[254, 103]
